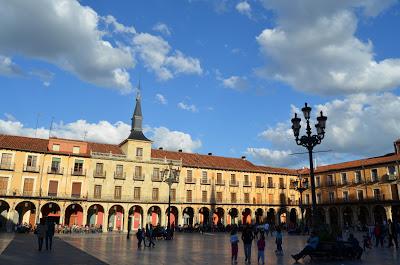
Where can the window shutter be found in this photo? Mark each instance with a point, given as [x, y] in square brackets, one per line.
[76, 189]
[53, 185]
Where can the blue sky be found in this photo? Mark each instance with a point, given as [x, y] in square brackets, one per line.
[217, 76]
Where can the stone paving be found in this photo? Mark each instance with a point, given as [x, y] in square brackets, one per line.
[184, 249]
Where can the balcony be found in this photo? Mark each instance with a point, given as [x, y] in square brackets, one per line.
[156, 178]
[282, 186]
[220, 182]
[190, 180]
[55, 170]
[247, 184]
[271, 185]
[99, 174]
[330, 183]
[7, 166]
[205, 181]
[78, 172]
[259, 184]
[234, 183]
[120, 175]
[138, 177]
[35, 169]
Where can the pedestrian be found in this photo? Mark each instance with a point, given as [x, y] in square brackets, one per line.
[247, 237]
[261, 248]
[378, 235]
[392, 232]
[234, 245]
[150, 235]
[312, 244]
[266, 228]
[139, 237]
[355, 246]
[50, 228]
[41, 233]
[278, 241]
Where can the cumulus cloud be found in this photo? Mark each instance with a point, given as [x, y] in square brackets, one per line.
[103, 132]
[162, 28]
[118, 27]
[158, 57]
[235, 82]
[244, 8]
[187, 107]
[358, 126]
[174, 140]
[8, 67]
[313, 47]
[161, 99]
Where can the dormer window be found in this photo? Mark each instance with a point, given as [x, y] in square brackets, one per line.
[139, 151]
[56, 147]
[76, 150]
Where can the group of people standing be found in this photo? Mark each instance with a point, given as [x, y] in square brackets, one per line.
[45, 232]
[389, 230]
[143, 234]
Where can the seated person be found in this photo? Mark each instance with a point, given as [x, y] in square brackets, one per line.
[311, 245]
[356, 249]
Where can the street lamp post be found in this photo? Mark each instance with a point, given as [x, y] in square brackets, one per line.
[309, 141]
[170, 175]
[301, 184]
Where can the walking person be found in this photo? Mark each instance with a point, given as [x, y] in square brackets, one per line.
[266, 228]
[392, 232]
[378, 235]
[150, 235]
[139, 237]
[50, 228]
[261, 248]
[247, 238]
[278, 241]
[234, 245]
[41, 233]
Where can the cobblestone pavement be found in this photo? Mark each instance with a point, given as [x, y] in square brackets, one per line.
[203, 249]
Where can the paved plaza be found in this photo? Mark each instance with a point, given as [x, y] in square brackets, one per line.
[184, 249]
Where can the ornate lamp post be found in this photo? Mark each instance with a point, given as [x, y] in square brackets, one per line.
[170, 175]
[309, 141]
[301, 184]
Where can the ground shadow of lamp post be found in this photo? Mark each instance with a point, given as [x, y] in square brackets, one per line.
[170, 175]
[309, 141]
[300, 185]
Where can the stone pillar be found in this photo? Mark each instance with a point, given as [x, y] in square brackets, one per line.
[327, 216]
[340, 216]
[84, 213]
[105, 220]
[125, 223]
[388, 210]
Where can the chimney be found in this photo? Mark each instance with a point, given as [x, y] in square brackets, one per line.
[210, 154]
[160, 148]
[180, 150]
[244, 157]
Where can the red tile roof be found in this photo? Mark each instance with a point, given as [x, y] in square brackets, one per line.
[23, 143]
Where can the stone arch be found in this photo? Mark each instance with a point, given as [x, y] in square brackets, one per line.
[116, 218]
[173, 216]
[26, 212]
[246, 216]
[293, 217]
[154, 215]
[321, 217]
[259, 215]
[271, 216]
[4, 208]
[218, 216]
[282, 216]
[233, 214]
[51, 210]
[74, 215]
[136, 213]
[363, 215]
[347, 216]
[379, 214]
[334, 216]
[204, 216]
[95, 215]
[188, 216]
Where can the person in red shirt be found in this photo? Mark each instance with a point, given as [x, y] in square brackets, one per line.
[261, 248]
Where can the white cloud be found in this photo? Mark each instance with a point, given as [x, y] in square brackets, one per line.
[67, 34]
[244, 8]
[314, 48]
[118, 27]
[187, 107]
[103, 132]
[8, 67]
[44, 75]
[155, 52]
[272, 157]
[235, 82]
[357, 126]
[161, 99]
[174, 140]
[162, 28]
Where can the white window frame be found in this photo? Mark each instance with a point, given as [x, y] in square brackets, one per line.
[358, 197]
[377, 175]
[12, 156]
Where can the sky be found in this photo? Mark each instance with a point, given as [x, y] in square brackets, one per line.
[219, 76]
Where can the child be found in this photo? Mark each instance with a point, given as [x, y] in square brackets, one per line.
[234, 245]
[261, 247]
[278, 241]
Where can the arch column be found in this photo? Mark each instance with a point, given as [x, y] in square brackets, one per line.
[105, 219]
[125, 216]
[340, 217]
[388, 210]
[356, 212]
[84, 212]
[327, 216]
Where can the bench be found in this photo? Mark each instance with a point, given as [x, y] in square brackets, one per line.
[333, 250]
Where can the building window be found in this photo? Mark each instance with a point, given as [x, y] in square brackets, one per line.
[173, 195]
[345, 196]
[6, 159]
[233, 197]
[56, 147]
[3, 185]
[55, 165]
[204, 196]
[99, 168]
[76, 189]
[360, 195]
[219, 178]
[270, 183]
[357, 176]
[78, 167]
[136, 193]
[31, 163]
[377, 194]
[331, 197]
[138, 171]
[219, 196]
[28, 186]
[270, 198]
[76, 150]
[344, 178]
[233, 178]
[155, 194]
[258, 198]
[281, 183]
[117, 192]
[139, 152]
[189, 175]
[204, 178]
[189, 195]
[317, 181]
[307, 199]
[391, 170]
[119, 171]
[97, 191]
[319, 198]
[156, 173]
[53, 187]
[246, 198]
[292, 199]
[374, 175]
[258, 181]
[246, 180]
[330, 180]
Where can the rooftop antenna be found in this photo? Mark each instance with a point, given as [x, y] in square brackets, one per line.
[85, 134]
[37, 123]
[51, 126]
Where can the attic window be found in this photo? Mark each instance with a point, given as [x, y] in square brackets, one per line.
[56, 147]
[76, 150]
